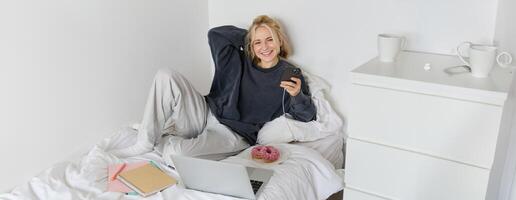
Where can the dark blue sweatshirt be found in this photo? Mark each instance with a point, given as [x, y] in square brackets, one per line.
[244, 96]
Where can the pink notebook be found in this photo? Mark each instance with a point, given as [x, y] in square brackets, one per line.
[116, 185]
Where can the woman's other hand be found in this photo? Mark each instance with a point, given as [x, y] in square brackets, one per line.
[292, 88]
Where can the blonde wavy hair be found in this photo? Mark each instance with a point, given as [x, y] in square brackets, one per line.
[277, 35]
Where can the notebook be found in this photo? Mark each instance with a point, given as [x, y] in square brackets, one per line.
[116, 185]
[146, 180]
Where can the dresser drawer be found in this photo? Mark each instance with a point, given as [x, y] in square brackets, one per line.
[398, 174]
[453, 129]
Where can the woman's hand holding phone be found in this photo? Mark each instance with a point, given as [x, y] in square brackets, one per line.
[290, 80]
[293, 87]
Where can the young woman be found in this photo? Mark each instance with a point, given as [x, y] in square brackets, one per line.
[246, 93]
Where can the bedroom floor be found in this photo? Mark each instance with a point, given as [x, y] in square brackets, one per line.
[336, 196]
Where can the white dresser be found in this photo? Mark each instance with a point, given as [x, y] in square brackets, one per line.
[417, 134]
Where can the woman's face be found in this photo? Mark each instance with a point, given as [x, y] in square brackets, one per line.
[265, 47]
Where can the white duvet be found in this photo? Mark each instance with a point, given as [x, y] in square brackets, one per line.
[305, 175]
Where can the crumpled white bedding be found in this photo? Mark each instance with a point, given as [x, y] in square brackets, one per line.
[308, 173]
[285, 129]
[305, 175]
[325, 134]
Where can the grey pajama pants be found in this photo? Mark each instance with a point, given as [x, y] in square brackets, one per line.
[180, 121]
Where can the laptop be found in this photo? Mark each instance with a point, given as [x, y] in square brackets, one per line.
[221, 178]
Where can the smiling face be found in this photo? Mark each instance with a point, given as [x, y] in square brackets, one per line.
[266, 46]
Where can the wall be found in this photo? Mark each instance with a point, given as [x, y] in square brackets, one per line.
[503, 176]
[505, 27]
[73, 72]
[501, 180]
[332, 37]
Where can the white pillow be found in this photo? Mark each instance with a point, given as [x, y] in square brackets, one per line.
[285, 129]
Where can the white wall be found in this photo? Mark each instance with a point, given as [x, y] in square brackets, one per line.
[73, 72]
[332, 37]
[505, 26]
[502, 182]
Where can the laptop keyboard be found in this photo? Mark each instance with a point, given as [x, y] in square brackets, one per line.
[256, 185]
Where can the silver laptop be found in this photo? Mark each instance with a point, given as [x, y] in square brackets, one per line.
[221, 178]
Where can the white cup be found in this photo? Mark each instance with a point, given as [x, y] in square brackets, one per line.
[389, 46]
[482, 58]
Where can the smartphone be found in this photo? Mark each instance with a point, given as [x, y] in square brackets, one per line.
[291, 72]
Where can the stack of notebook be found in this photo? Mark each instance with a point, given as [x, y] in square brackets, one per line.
[143, 178]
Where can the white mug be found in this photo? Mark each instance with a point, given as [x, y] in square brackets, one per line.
[482, 58]
[389, 46]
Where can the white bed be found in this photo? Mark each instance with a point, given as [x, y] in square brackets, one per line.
[307, 174]
[304, 175]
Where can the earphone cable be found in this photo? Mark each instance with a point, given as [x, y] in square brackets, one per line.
[285, 114]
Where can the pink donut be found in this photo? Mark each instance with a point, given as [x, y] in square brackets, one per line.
[265, 153]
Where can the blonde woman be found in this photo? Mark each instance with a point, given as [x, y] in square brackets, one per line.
[246, 93]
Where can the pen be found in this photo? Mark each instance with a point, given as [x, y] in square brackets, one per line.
[155, 165]
[118, 171]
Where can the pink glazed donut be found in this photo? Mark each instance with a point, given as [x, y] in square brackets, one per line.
[265, 154]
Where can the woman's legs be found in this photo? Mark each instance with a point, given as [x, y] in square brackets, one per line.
[173, 107]
[177, 111]
[216, 142]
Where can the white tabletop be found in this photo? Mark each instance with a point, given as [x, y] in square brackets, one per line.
[446, 77]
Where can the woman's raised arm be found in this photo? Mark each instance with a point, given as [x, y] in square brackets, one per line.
[227, 46]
